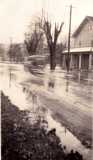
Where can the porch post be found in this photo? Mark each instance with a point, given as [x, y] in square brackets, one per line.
[80, 61]
[71, 61]
[90, 61]
[64, 60]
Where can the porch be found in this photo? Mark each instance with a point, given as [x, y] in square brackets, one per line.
[80, 58]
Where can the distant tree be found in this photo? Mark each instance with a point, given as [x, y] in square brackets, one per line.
[52, 40]
[18, 53]
[10, 53]
[2, 52]
[33, 38]
[15, 53]
[59, 50]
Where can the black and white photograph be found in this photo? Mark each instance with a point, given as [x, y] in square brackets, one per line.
[46, 79]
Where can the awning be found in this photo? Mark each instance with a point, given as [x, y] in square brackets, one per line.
[80, 50]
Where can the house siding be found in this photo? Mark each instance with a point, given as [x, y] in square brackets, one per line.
[85, 37]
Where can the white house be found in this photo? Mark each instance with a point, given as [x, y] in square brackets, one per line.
[82, 51]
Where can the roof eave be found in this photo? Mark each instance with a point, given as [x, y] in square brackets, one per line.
[81, 25]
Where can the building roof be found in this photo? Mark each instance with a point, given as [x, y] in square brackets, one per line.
[86, 19]
[80, 50]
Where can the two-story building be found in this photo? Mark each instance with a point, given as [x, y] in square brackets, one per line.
[82, 51]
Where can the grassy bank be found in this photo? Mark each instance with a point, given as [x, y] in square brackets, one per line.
[23, 141]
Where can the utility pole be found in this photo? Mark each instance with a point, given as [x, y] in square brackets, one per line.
[69, 36]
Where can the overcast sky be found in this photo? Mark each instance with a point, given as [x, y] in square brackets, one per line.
[15, 15]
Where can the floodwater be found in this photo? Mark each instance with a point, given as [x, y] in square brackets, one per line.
[22, 88]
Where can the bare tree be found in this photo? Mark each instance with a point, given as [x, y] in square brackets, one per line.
[52, 40]
[10, 53]
[15, 53]
[2, 52]
[33, 38]
[59, 52]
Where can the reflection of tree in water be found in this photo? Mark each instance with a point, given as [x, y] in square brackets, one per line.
[12, 76]
[37, 111]
[84, 77]
[51, 83]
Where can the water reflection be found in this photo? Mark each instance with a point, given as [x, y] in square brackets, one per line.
[12, 76]
[82, 77]
[51, 84]
[67, 83]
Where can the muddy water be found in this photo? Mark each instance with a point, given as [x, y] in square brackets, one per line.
[75, 87]
[67, 138]
[26, 98]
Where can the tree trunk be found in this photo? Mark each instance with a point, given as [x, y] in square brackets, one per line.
[68, 63]
[52, 58]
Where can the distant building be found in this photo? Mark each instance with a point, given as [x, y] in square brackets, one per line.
[82, 51]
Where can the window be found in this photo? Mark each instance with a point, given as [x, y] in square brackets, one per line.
[90, 27]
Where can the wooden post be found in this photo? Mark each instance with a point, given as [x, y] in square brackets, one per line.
[79, 61]
[69, 34]
[90, 61]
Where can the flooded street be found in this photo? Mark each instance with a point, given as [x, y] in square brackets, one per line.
[67, 99]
